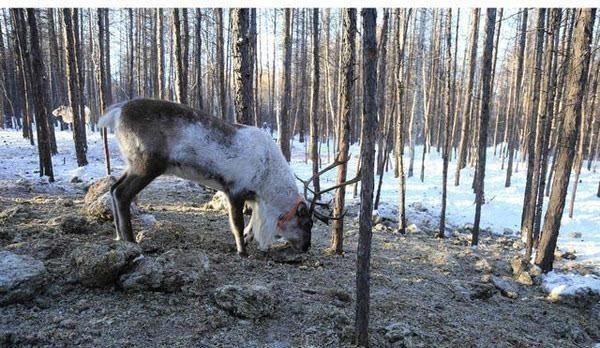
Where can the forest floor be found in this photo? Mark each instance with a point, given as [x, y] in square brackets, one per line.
[424, 291]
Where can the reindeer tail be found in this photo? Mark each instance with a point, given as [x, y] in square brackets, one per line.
[109, 119]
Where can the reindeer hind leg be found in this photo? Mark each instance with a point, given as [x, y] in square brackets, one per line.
[236, 221]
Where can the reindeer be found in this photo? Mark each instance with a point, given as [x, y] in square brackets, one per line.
[66, 113]
[160, 137]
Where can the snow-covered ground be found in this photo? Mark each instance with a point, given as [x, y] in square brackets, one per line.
[502, 209]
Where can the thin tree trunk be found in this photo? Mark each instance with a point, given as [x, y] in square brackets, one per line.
[348, 57]
[286, 83]
[449, 112]
[486, 91]
[467, 106]
[369, 128]
[314, 106]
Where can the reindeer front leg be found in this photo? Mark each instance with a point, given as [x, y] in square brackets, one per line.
[236, 221]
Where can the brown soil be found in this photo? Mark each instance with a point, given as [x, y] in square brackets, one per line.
[436, 289]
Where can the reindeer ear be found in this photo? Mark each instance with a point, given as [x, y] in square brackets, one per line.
[302, 210]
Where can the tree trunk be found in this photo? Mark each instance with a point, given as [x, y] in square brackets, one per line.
[286, 83]
[566, 150]
[467, 106]
[517, 91]
[449, 112]
[348, 56]
[74, 90]
[369, 128]
[180, 87]
[531, 185]
[39, 96]
[314, 105]
[241, 67]
[101, 81]
[486, 91]
[160, 53]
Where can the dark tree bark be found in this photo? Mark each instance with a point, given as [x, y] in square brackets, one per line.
[199, 100]
[160, 53]
[130, 57]
[314, 104]
[40, 97]
[286, 83]
[180, 87]
[348, 57]
[104, 93]
[74, 90]
[221, 64]
[369, 128]
[531, 186]
[241, 66]
[577, 79]
[382, 117]
[24, 66]
[401, 33]
[486, 89]
[447, 128]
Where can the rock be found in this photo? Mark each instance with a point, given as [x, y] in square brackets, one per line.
[162, 236]
[98, 202]
[380, 227]
[167, 272]
[535, 271]
[218, 202]
[15, 214]
[76, 180]
[98, 265]
[482, 291]
[98, 188]
[399, 331]
[482, 265]
[505, 287]
[518, 244]
[575, 235]
[566, 255]
[100, 209]
[245, 301]
[21, 277]
[71, 224]
[412, 228]
[525, 278]
[64, 202]
[518, 265]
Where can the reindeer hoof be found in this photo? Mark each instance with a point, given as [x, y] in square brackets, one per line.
[242, 254]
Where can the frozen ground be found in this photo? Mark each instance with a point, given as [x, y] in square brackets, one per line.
[502, 209]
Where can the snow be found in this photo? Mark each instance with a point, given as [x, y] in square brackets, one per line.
[557, 284]
[503, 205]
[19, 165]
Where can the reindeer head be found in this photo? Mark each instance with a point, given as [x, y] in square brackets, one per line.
[296, 224]
[311, 211]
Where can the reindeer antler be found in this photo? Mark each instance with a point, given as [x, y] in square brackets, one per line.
[317, 194]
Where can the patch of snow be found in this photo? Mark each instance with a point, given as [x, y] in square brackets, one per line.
[557, 284]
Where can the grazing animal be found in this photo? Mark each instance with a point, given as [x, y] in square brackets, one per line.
[160, 137]
[66, 113]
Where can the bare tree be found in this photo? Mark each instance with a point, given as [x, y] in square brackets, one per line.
[447, 128]
[180, 87]
[314, 104]
[486, 89]
[579, 66]
[467, 105]
[242, 66]
[39, 96]
[220, 63]
[348, 57]
[74, 88]
[286, 84]
[369, 127]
